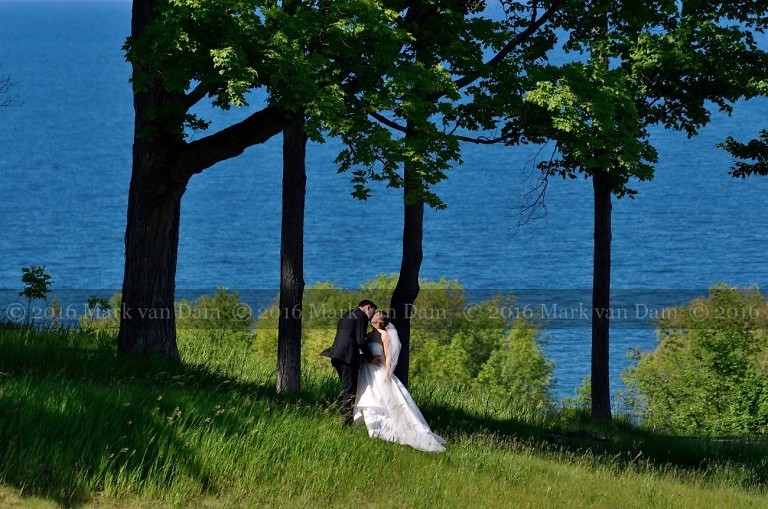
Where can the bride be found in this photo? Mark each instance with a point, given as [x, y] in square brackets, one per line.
[383, 403]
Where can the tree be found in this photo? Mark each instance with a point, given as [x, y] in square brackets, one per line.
[36, 286]
[292, 258]
[652, 63]
[308, 59]
[444, 55]
[598, 133]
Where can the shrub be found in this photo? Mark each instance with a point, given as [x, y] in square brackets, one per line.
[709, 373]
[453, 342]
[221, 315]
[36, 286]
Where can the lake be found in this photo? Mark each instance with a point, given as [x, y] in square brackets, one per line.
[65, 162]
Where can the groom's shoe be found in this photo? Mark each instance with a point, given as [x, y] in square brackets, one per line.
[348, 412]
[347, 420]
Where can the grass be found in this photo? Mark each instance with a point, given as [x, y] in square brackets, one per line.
[80, 427]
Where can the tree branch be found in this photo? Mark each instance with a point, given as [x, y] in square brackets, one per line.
[387, 122]
[233, 140]
[534, 25]
[480, 140]
[195, 95]
[532, 205]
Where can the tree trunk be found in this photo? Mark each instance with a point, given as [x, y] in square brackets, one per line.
[291, 258]
[147, 321]
[407, 288]
[601, 299]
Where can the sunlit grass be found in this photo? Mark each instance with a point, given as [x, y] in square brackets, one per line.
[82, 427]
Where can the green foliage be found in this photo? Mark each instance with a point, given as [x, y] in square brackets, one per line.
[223, 315]
[709, 373]
[222, 311]
[337, 64]
[99, 309]
[102, 313]
[631, 66]
[682, 72]
[453, 341]
[411, 119]
[582, 400]
[518, 369]
[595, 122]
[97, 304]
[754, 155]
[55, 312]
[36, 285]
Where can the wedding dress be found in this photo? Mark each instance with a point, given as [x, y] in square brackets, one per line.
[385, 406]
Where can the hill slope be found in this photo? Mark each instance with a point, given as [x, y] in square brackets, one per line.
[80, 427]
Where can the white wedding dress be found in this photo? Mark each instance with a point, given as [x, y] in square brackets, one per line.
[385, 406]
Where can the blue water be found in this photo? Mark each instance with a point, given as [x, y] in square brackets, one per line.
[65, 152]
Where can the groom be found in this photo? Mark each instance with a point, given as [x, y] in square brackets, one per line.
[345, 352]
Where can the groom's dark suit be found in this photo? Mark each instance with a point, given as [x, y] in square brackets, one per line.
[345, 354]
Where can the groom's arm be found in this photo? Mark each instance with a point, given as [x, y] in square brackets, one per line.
[367, 352]
[361, 325]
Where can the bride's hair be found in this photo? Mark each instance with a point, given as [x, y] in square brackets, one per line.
[383, 316]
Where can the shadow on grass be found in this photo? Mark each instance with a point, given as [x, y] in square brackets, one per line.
[618, 443]
[74, 414]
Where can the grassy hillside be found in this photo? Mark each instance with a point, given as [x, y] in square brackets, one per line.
[82, 428]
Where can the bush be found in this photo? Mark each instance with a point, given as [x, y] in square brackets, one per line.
[221, 315]
[223, 311]
[105, 315]
[709, 373]
[453, 342]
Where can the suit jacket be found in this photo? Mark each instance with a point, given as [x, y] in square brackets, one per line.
[350, 339]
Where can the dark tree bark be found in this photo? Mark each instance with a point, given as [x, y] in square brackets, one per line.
[148, 324]
[292, 258]
[407, 288]
[601, 299]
